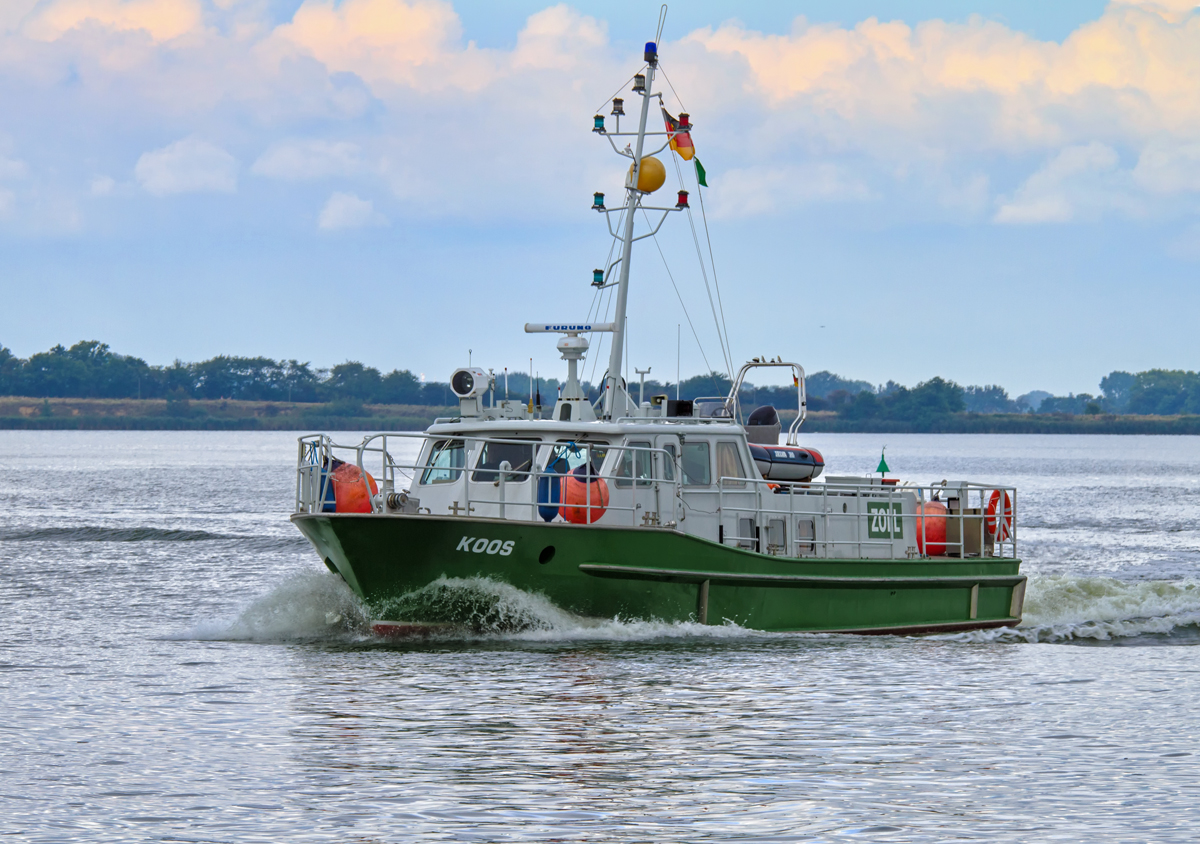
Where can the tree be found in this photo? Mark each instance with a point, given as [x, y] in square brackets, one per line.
[989, 399]
[926, 401]
[865, 405]
[1071, 403]
[352, 380]
[57, 373]
[1165, 392]
[298, 381]
[713, 384]
[10, 372]
[1117, 388]
[254, 379]
[401, 387]
[821, 384]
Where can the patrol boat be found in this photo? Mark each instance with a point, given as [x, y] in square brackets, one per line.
[653, 509]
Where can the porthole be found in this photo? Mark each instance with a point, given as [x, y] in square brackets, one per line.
[547, 554]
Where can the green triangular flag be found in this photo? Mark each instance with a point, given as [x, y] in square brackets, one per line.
[700, 173]
[882, 468]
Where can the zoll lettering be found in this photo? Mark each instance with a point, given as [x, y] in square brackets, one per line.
[483, 545]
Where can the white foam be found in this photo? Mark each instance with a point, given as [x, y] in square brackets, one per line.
[308, 605]
[1060, 608]
[495, 609]
[318, 605]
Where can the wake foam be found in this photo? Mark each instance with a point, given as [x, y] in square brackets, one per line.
[482, 607]
[1062, 608]
[311, 606]
[318, 606]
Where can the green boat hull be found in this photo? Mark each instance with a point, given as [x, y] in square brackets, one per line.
[663, 574]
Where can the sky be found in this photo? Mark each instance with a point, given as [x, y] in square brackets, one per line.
[996, 193]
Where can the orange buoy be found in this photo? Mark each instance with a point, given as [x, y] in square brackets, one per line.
[575, 496]
[349, 491]
[1005, 517]
[931, 528]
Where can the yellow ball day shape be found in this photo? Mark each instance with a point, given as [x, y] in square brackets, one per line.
[651, 177]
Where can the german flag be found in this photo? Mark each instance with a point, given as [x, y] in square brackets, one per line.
[681, 142]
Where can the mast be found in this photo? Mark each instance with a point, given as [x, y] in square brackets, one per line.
[614, 406]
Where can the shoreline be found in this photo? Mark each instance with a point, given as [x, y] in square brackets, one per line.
[24, 413]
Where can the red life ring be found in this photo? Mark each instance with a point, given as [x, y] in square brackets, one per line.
[1005, 517]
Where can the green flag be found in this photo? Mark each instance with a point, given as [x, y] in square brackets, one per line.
[700, 173]
[882, 468]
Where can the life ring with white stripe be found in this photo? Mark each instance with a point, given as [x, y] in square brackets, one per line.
[999, 524]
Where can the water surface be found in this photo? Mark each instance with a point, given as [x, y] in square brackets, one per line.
[177, 664]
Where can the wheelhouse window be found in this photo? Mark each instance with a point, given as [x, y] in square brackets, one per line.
[518, 455]
[445, 462]
[566, 456]
[669, 462]
[636, 464]
[729, 464]
[694, 459]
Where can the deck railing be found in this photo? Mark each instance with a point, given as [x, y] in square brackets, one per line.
[875, 519]
[987, 529]
[374, 454]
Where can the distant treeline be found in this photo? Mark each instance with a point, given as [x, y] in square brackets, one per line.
[1155, 392]
[90, 369]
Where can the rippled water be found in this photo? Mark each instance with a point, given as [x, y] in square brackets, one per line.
[176, 664]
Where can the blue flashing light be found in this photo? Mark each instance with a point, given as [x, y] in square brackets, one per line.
[651, 55]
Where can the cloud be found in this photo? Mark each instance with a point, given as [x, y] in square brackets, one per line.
[8, 202]
[386, 40]
[347, 211]
[753, 191]
[971, 86]
[102, 185]
[1081, 181]
[189, 165]
[923, 115]
[299, 160]
[162, 19]
[558, 38]
[1169, 167]
[14, 12]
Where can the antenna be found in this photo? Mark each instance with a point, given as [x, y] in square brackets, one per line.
[642, 388]
[662, 20]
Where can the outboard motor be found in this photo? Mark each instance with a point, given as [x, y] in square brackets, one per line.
[763, 426]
